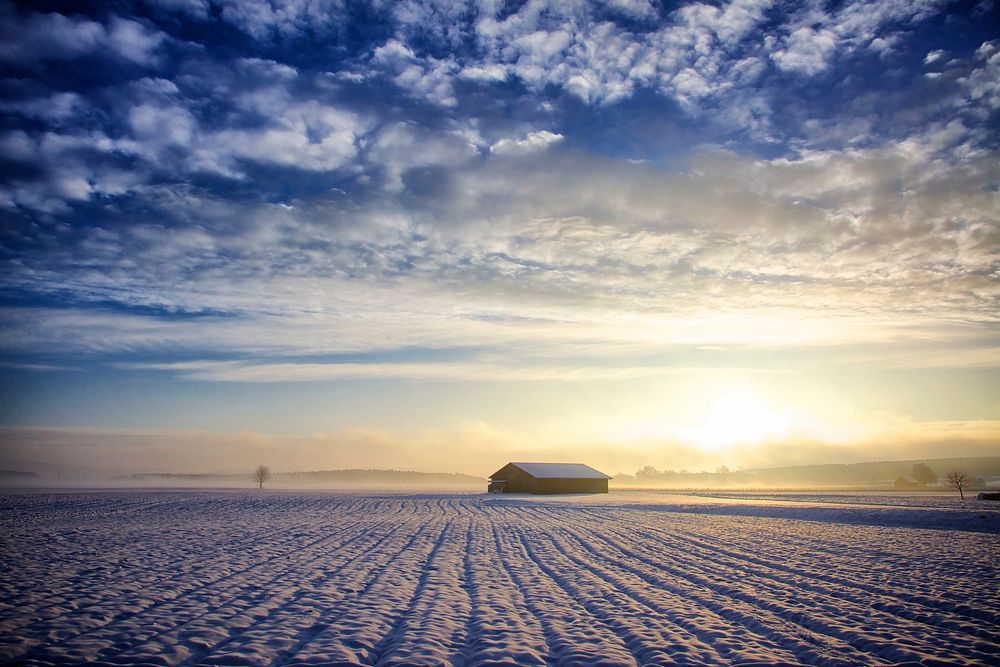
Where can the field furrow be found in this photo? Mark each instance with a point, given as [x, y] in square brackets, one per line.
[879, 613]
[280, 579]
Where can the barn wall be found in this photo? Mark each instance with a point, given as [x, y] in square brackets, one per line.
[572, 486]
[518, 481]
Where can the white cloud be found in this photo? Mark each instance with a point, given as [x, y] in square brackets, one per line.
[492, 73]
[224, 371]
[261, 70]
[570, 46]
[884, 46]
[404, 146]
[52, 36]
[69, 174]
[586, 250]
[731, 23]
[807, 51]
[934, 56]
[982, 84]
[562, 251]
[134, 41]
[157, 127]
[195, 8]
[306, 135]
[267, 19]
[55, 109]
[639, 9]
[425, 78]
[814, 38]
[533, 142]
[688, 55]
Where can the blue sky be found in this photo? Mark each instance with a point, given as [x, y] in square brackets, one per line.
[464, 231]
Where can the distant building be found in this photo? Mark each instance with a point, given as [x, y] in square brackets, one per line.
[548, 478]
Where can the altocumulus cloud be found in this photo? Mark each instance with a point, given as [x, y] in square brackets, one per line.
[303, 178]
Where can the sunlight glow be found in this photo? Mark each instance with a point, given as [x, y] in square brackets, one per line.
[738, 417]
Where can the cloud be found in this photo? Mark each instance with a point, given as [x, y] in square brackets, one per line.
[198, 9]
[533, 142]
[34, 36]
[267, 20]
[159, 133]
[806, 50]
[56, 109]
[488, 73]
[934, 56]
[714, 62]
[408, 192]
[982, 85]
[72, 169]
[636, 9]
[731, 23]
[306, 135]
[223, 371]
[815, 38]
[686, 54]
[426, 78]
[565, 45]
[401, 147]
[569, 244]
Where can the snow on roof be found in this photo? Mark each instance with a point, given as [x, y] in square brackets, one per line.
[560, 470]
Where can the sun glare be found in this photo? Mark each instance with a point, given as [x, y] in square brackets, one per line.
[738, 417]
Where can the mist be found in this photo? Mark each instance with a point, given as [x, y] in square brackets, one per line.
[458, 459]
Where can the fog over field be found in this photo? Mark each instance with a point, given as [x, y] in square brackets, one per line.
[66, 456]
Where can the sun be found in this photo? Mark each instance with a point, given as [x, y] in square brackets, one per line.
[738, 417]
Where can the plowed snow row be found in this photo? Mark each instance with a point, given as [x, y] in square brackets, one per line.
[186, 578]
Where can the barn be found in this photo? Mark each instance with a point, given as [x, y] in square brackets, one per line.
[548, 478]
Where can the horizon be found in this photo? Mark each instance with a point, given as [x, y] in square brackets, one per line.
[647, 477]
[435, 236]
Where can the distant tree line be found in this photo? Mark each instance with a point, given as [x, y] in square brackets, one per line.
[908, 475]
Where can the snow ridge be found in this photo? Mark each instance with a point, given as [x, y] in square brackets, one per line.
[283, 579]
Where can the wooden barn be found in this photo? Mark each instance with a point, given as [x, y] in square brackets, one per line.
[548, 478]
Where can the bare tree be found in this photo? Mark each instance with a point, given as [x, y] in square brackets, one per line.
[261, 474]
[959, 480]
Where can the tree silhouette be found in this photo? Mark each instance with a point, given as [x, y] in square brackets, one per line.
[959, 480]
[261, 474]
[922, 473]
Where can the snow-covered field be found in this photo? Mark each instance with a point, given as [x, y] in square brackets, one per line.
[277, 578]
[934, 499]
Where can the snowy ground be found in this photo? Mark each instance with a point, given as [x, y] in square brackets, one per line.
[277, 578]
[932, 499]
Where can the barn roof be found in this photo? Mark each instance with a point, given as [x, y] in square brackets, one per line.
[558, 470]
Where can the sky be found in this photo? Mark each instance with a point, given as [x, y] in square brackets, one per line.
[442, 235]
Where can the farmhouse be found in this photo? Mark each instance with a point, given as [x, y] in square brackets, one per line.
[548, 478]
